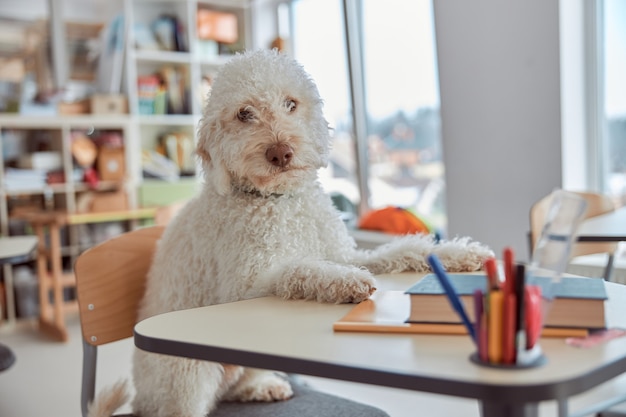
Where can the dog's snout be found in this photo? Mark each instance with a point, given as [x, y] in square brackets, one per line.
[279, 155]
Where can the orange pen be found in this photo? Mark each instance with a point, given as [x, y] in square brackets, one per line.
[495, 324]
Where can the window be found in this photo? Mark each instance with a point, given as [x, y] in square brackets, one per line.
[613, 97]
[396, 159]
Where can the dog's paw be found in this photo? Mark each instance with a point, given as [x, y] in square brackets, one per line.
[462, 254]
[353, 287]
[263, 386]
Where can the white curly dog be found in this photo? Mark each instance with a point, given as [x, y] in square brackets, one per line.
[262, 225]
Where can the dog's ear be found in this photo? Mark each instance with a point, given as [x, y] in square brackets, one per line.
[215, 170]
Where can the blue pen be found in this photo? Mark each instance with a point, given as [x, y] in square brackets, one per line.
[453, 297]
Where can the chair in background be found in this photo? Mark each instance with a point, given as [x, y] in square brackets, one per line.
[597, 204]
[110, 280]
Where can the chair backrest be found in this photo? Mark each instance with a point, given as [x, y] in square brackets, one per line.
[597, 204]
[110, 281]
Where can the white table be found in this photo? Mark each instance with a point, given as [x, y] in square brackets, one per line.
[609, 227]
[297, 336]
[13, 250]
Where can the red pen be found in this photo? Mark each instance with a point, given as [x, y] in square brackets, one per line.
[491, 267]
[509, 270]
[532, 295]
[508, 332]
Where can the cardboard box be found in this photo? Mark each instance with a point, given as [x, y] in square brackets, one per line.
[111, 164]
[75, 107]
[109, 104]
[105, 201]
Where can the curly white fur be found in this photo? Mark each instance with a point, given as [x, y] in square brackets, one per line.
[261, 227]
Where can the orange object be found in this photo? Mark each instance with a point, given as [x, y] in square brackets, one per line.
[495, 326]
[393, 220]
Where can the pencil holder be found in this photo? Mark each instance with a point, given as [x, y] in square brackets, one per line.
[507, 317]
[530, 358]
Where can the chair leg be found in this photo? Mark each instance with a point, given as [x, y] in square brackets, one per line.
[608, 270]
[88, 385]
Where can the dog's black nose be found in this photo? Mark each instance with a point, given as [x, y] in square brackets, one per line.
[279, 155]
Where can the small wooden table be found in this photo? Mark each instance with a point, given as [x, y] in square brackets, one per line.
[47, 226]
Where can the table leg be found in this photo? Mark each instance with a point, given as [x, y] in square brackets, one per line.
[8, 291]
[493, 409]
[51, 315]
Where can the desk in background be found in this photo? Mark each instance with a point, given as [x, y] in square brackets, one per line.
[52, 280]
[297, 336]
[13, 250]
[609, 227]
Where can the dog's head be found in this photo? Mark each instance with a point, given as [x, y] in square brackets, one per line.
[263, 129]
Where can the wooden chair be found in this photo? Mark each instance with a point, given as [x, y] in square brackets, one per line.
[110, 280]
[597, 204]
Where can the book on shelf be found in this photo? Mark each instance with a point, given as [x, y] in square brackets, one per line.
[577, 302]
[387, 312]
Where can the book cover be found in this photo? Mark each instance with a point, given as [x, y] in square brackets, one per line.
[387, 311]
[578, 301]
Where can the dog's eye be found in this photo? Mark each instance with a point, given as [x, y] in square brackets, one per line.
[245, 115]
[290, 104]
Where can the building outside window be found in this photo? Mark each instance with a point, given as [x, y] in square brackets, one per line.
[398, 156]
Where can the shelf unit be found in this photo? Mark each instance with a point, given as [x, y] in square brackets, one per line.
[195, 66]
[140, 132]
[23, 135]
[58, 131]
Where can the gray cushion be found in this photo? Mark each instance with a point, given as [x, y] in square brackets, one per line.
[306, 402]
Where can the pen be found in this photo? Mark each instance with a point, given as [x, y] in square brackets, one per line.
[520, 326]
[508, 329]
[509, 270]
[491, 267]
[453, 297]
[495, 323]
[480, 325]
[533, 314]
[510, 307]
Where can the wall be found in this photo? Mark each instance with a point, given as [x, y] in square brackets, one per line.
[500, 105]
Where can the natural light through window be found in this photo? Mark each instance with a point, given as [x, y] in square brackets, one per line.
[615, 95]
[401, 100]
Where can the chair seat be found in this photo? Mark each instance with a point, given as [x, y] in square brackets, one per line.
[306, 402]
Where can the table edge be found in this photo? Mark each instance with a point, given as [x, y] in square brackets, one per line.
[499, 393]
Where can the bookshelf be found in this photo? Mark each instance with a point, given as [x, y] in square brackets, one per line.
[192, 60]
[182, 66]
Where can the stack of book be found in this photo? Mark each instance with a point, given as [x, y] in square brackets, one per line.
[577, 307]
